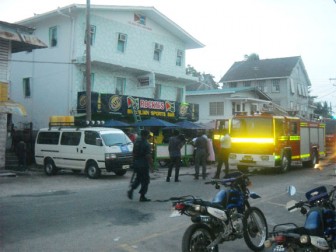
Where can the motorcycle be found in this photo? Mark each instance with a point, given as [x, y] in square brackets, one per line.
[227, 217]
[319, 230]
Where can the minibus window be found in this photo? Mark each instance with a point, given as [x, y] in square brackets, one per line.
[70, 138]
[90, 137]
[48, 138]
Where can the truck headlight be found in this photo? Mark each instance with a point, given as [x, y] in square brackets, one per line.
[110, 156]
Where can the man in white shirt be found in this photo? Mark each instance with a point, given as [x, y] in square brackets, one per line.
[223, 155]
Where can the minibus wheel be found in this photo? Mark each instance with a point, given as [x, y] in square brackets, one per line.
[92, 170]
[49, 167]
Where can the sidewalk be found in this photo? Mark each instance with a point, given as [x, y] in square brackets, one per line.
[14, 173]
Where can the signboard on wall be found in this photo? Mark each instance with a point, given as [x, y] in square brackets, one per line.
[123, 105]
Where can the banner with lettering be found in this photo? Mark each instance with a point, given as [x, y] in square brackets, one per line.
[146, 107]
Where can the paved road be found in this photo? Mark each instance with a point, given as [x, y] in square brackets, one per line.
[69, 212]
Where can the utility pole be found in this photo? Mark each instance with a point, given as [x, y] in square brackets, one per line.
[88, 62]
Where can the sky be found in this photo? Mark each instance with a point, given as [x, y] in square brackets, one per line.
[231, 29]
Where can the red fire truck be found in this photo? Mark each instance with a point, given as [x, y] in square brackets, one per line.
[270, 141]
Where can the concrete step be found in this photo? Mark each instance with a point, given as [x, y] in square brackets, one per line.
[11, 160]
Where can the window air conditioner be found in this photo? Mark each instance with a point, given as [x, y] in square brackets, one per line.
[122, 37]
[158, 47]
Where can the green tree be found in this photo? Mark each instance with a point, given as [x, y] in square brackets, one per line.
[190, 70]
[323, 109]
[208, 79]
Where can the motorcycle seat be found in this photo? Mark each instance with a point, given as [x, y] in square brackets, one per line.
[213, 204]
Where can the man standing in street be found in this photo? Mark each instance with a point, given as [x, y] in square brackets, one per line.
[21, 150]
[223, 155]
[142, 164]
[176, 142]
[201, 155]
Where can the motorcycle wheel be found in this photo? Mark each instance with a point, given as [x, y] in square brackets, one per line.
[255, 229]
[196, 238]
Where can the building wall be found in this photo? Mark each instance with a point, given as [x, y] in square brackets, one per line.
[229, 101]
[290, 101]
[140, 43]
[49, 70]
[299, 98]
[58, 72]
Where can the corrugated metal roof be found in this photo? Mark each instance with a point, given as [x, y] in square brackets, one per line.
[12, 107]
[21, 37]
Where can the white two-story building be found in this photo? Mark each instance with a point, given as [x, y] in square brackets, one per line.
[137, 55]
[284, 80]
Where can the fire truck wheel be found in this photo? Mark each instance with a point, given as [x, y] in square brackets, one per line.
[313, 161]
[285, 163]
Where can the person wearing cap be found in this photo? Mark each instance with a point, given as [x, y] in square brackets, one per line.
[142, 164]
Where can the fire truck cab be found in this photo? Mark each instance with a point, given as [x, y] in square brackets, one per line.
[271, 141]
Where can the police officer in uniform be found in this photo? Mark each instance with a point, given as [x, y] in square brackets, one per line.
[142, 164]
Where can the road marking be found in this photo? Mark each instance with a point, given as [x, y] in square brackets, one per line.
[277, 204]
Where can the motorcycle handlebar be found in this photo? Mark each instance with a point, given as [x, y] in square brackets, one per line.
[297, 205]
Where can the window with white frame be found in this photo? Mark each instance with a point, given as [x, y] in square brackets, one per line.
[299, 89]
[233, 84]
[254, 108]
[26, 87]
[122, 39]
[305, 89]
[276, 86]
[179, 58]
[53, 36]
[292, 86]
[158, 48]
[157, 91]
[216, 108]
[120, 86]
[261, 85]
[92, 35]
[247, 83]
[238, 107]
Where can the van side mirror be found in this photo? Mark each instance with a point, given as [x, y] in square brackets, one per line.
[99, 142]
